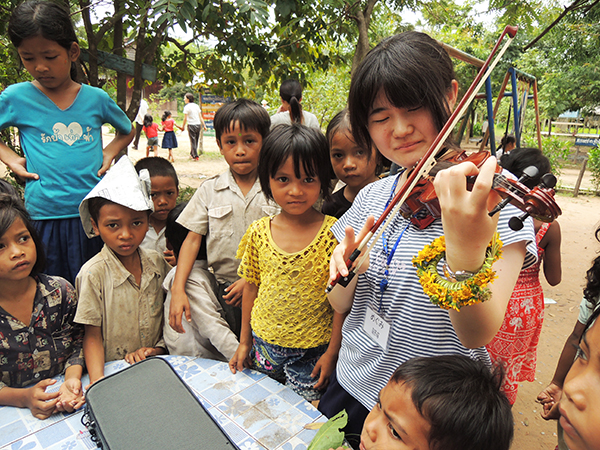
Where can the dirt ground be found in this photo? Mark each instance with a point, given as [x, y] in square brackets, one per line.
[578, 223]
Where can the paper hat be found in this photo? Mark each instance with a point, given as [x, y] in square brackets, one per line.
[121, 185]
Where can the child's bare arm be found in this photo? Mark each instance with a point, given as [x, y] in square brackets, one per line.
[241, 358]
[143, 353]
[326, 363]
[41, 404]
[93, 352]
[552, 260]
[109, 152]
[15, 162]
[551, 395]
[179, 301]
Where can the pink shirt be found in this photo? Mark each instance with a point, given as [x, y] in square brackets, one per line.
[151, 131]
[168, 125]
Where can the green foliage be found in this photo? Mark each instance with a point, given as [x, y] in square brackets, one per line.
[566, 61]
[557, 150]
[330, 434]
[185, 194]
[327, 94]
[8, 137]
[594, 166]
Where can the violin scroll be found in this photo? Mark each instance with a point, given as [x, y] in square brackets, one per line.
[537, 202]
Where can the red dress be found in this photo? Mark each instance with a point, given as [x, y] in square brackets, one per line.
[515, 346]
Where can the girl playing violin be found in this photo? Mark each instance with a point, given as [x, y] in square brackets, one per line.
[400, 98]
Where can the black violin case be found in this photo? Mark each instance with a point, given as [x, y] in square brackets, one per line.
[147, 406]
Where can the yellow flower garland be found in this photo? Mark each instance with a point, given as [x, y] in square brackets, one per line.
[454, 295]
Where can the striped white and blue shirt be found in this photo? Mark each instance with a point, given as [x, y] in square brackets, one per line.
[418, 328]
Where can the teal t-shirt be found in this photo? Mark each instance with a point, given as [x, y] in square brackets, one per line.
[64, 147]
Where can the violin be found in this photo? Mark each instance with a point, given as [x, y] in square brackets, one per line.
[529, 202]
[422, 206]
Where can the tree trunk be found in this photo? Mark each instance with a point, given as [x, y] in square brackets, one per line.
[362, 19]
[119, 50]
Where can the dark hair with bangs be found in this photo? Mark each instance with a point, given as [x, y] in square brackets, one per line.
[520, 158]
[341, 124]
[412, 69]
[157, 167]
[249, 114]
[461, 400]
[43, 18]
[12, 207]
[305, 145]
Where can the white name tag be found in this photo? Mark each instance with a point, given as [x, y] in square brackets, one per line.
[376, 328]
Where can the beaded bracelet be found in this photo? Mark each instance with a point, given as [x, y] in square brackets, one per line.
[455, 294]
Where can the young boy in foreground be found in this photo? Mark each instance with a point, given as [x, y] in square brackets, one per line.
[120, 289]
[222, 209]
[440, 403]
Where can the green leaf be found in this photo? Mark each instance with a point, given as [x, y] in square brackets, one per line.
[206, 11]
[330, 434]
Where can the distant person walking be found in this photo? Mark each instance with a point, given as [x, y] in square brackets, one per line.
[291, 109]
[139, 122]
[192, 117]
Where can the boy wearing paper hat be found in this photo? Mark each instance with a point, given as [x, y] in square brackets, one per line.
[120, 289]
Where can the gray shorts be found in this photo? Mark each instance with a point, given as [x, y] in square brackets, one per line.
[152, 141]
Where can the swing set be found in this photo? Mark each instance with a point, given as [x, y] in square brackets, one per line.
[524, 88]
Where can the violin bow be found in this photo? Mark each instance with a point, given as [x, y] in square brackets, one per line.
[426, 163]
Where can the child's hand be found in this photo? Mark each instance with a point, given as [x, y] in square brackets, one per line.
[323, 369]
[71, 396]
[549, 399]
[107, 160]
[41, 404]
[170, 257]
[241, 359]
[19, 167]
[179, 304]
[234, 293]
[344, 249]
[142, 353]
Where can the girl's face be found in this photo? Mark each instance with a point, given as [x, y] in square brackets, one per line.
[403, 135]
[352, 164]
[580, 403]
[296, 196]
[18, 254]
[47, 61]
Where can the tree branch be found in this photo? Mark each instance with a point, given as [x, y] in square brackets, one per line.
[577, 4]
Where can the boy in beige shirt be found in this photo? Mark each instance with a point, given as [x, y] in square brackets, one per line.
[120, 289]
[222, 209]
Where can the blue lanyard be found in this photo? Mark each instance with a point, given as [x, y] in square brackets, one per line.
[383, 284]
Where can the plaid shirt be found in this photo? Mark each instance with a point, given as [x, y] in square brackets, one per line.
[46, 346]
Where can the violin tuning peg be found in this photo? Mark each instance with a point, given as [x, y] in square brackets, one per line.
[499, 206]
[516, 223]
[529, 172]
[549, 180]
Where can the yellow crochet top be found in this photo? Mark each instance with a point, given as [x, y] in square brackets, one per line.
[291, 309]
